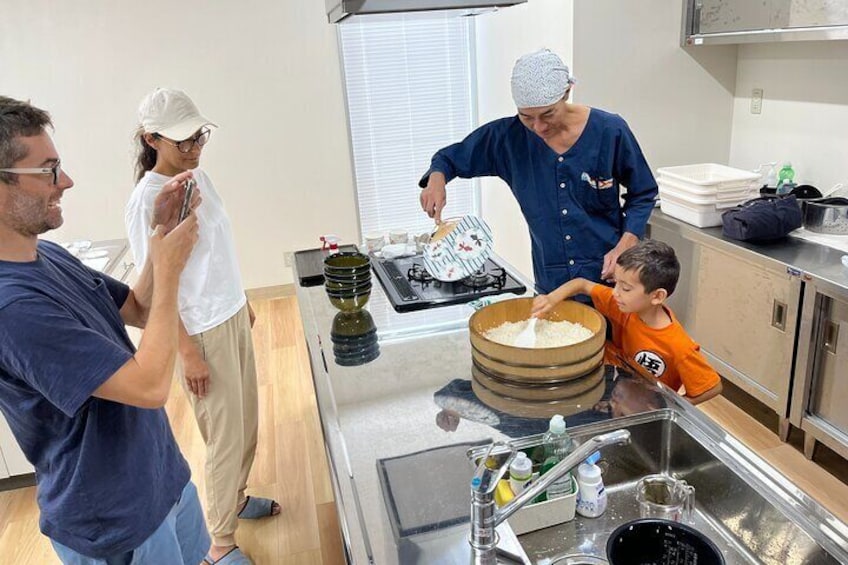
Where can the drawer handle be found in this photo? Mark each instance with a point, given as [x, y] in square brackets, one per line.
[778, 315]
[831, 336]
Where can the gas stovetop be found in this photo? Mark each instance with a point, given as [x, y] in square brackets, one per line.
[410, 287]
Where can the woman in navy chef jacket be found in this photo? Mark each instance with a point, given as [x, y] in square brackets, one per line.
[565, 163]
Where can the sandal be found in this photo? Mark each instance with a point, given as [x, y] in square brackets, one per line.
[256, 507]
[232, 557]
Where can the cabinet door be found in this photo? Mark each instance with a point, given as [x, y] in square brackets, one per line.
[830, 388]
[12, 460]
[745, 316]
[719, 16]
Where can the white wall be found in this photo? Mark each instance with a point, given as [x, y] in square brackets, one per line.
[804, 116]
[502, 38]
[678, 102]
[266, 71]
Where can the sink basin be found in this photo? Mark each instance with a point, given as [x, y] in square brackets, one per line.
[750, 511]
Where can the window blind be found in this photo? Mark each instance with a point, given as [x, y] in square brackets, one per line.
[410, 92]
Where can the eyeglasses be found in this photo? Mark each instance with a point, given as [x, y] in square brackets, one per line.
[187, 145]
[55, 170]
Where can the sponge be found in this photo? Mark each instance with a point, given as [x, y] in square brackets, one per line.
[503, 492]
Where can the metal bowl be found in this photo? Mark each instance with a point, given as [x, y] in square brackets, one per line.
[826, 215]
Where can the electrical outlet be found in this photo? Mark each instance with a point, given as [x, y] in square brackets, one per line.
[288, 257]
[757, 101]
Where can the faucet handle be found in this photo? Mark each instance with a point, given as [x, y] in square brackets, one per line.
[492, 467]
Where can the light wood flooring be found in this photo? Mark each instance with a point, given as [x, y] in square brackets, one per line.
[291, 464]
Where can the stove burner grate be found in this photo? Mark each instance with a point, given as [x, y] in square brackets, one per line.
[482, 279]
[419, 274]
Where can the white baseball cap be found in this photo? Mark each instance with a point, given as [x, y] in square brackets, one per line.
[171, 113]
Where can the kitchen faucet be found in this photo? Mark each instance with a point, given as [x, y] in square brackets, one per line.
[485, 517]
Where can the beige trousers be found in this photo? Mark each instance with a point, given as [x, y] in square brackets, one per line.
[228, 420]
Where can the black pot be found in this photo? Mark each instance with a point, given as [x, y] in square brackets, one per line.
[803, 193]
[806, 191]
[652, 541]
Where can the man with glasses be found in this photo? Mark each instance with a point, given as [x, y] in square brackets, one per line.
[218, 370]
[85, 406]
[565, 164]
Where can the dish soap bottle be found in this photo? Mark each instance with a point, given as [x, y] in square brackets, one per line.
[558, 444]
[591, 494]
[771, 176]
[784, 177]
[520, 471]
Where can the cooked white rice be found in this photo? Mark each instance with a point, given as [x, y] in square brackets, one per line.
[548, 334]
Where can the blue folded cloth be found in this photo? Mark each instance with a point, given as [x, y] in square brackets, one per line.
[762, 219]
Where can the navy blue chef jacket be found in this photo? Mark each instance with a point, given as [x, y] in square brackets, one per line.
[570, 201]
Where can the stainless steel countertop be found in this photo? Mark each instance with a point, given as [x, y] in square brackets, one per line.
[386, 409]
[115, 250]
[808, 260]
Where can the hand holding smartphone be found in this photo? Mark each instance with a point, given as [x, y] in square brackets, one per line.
[189, 190]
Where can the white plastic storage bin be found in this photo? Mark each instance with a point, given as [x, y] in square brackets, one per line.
[699, 218]
[718, 201]
[669, 185]
[532, 517]
[705, 178]
[699, 211]
[700, 206]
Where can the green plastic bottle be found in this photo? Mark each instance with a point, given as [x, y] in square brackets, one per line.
[785, 176]
[558, 444]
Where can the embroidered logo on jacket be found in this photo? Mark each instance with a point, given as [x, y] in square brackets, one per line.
[651, 362]
[597, 184]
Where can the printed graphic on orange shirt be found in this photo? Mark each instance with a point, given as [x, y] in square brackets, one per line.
[651, 362]
[596, 183]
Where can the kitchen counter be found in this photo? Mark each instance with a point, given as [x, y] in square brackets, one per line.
[104, 256]
[806, 259]
[396, 448]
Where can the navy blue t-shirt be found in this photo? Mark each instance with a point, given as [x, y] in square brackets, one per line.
[570, 201]
[107, 473]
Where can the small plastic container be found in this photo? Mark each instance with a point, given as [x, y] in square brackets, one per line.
[520, 471]
[591, 495]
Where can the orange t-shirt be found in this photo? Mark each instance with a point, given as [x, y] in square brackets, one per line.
[669, 354]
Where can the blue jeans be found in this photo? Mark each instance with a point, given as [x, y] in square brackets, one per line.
[181, 539]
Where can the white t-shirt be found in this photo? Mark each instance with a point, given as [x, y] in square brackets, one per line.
[211, 290]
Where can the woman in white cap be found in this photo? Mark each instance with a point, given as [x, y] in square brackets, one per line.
[565, 164]
[216, 348]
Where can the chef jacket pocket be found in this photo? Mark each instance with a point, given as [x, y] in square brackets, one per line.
[598, 193]
[97, 285]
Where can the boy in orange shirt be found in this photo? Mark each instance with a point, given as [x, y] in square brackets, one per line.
[645, 334]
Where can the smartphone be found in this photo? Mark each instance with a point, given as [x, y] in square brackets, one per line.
[189, 190]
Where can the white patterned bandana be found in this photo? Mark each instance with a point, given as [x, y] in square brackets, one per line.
[539, 79]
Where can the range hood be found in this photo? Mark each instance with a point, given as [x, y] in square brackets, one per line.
[346, 10]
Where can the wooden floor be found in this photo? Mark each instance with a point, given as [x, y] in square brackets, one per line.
[291, 465]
